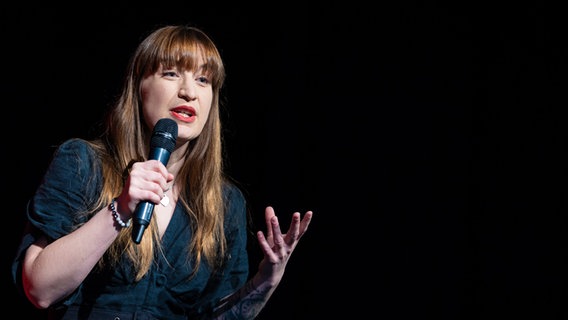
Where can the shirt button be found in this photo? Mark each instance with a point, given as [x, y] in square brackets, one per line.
[161, 280]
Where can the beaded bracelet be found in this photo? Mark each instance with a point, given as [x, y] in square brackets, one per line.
[117, 216]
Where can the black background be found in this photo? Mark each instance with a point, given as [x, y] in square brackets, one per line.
[428, 138]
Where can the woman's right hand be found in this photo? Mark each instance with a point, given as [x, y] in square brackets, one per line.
[146, 181]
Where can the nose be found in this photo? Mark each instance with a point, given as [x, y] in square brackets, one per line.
[187, 91]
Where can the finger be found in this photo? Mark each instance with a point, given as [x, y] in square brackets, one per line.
[276, 233]
[163, 177]
[265, 246]
[305, 222]
[294, 230]
[170, 178]
[268, 214]
[146, 186]
[298, 227]
[156, 174]
[158, 166]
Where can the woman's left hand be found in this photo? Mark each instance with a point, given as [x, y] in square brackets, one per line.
[278, 247]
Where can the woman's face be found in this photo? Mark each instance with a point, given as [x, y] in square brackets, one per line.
[181, 95]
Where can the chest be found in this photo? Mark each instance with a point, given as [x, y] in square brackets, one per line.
[164, 211]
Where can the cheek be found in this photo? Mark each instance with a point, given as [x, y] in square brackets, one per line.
[207, 107]
[151, 97]
[207, 98]
[155, 96]
[149, 93]
[145, 93]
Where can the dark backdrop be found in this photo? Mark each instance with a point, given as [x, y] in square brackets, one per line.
[428, 138]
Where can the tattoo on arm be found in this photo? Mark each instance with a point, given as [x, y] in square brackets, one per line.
[245, 303]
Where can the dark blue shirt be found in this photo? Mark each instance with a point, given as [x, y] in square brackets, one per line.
[72, 184]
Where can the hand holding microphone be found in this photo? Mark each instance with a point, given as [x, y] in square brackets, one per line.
[162, 144]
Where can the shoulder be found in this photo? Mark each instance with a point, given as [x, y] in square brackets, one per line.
[233, 194]
[74, 159]
[235, 201]
[70, 185]
[230, 189]
[76, 151]
[75, 145]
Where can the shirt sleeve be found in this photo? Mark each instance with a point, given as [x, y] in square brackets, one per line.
[68, 187]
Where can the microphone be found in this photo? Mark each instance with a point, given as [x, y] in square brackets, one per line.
[162, 144]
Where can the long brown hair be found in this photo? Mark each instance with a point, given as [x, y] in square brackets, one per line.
[125, 139]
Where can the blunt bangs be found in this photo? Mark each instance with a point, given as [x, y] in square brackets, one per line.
[186, 49]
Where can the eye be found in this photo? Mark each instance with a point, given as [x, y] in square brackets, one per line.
[203, 80]
[170, 73]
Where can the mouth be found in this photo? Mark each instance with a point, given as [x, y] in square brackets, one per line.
[185, 114]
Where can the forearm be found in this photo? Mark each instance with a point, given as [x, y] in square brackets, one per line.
[52, 271]
[247, 302]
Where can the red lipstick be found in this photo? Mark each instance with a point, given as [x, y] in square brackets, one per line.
[184, 113]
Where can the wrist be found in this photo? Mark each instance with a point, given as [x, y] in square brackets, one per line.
[117, 218]
[260, 282]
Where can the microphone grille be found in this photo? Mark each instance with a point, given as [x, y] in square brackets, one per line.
[164, 134]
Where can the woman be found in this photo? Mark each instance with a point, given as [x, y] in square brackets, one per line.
[78, 256]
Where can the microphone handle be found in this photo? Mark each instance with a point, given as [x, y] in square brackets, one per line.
[143, 213]
[141, 220]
